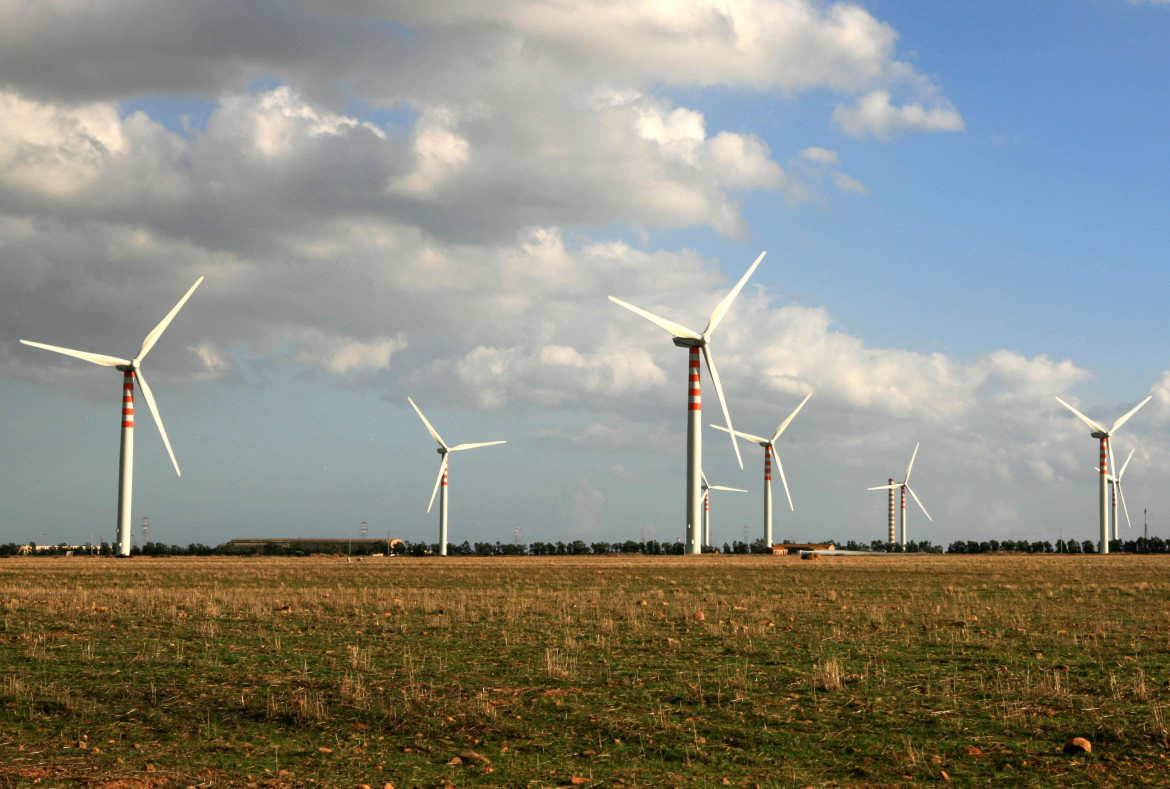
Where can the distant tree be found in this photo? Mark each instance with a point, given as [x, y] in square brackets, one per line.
[1088, 546]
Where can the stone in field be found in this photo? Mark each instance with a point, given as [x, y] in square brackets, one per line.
[699, 616]
[472, 756]
[1078, 745]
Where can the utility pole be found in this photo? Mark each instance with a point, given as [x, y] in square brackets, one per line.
[1146, 521]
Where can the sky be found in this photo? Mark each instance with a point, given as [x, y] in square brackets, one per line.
[964, 209]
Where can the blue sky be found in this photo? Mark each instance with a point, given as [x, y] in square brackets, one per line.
[963, 207]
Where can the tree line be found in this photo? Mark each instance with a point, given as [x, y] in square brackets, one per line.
[571, 548]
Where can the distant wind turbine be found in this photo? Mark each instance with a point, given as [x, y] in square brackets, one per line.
[1115, 484]
[696, 342]
[1103, 435]
[131, 369]
[441, 481]
[707, 488]
[904, 485]
[769, 450]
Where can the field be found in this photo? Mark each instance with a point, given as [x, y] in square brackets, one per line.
[603, 671]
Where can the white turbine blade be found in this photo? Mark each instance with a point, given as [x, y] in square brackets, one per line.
[906, 479]
[1097, 426]
[724, 305]
[791, 416]
[1121, 495]
[1125, 418]
[885, 487]
[96, 358]
[438, 480]
[1109, 454]
[157, 419]
[924, 512]
[434, 433]
[723, 487]
[677, 329]
[459, 447]
[758, 439]
[703, 474]
[780, 468]
[152, 338]
[1124, 465]
[722, 402]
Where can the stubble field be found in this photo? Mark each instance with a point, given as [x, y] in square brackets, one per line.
[603, 671]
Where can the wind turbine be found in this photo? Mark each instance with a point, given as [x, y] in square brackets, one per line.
[905, 486]
[696, 342]
[1103, 435]
[441, 481]
[707, 488]
[1115, 484]
[769, 450]
[131, 369]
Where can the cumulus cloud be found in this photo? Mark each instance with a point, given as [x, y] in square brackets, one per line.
[874, 113]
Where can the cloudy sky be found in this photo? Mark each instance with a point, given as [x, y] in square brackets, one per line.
[964, 207]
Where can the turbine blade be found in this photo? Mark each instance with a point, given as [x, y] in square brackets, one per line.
[724, 305]
[758, 439]
[703, 475]
[1109, 454]
[157, 419]
[924, 512]
[791, 416]
[885, 487]
[724, 487]
[434, 433]
[1125, 465]
[1121, 495]
[722, 402]
[677, 329]
[459, 447]
[780, 468]
[906, 479]
[152, 338]
[438, 479]
[1097, 426]
[1125, 418]
[96, 358]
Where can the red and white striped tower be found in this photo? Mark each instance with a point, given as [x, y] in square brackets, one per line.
[706, 517]
[1104, 544]
[903, 516]
[893, 533]
[694, 452]
[768, 542]
[443, 511]
[126, 462]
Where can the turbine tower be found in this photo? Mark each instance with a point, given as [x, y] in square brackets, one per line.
[441, 481]
[769, 450]
[695, 342]
[1103, 435]
[707, 488]
[131, 370]
[904, 485]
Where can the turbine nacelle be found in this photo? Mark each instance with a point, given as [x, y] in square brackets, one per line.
[689, 342]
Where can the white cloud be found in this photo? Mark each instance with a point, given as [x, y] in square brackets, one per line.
[439, 152]
[53, 150]
[875, 114]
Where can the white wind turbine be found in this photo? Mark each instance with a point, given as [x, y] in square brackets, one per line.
[441, 481]
[696, 342]
[769, 450]
[1103, 435]
[905, 486]
[131, 369]
[707, 488]
[1115, 484]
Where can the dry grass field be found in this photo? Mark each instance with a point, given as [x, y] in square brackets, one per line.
[602, 671]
